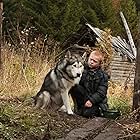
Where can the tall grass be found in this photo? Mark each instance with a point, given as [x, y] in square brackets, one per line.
[23, 71]
[120, 97]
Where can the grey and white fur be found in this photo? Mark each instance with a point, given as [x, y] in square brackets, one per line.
[57, 83]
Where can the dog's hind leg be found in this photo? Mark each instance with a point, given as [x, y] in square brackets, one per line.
[66, 101]
[38, 102]
[46, 99]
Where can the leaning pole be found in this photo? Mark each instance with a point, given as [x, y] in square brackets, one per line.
[129, 35]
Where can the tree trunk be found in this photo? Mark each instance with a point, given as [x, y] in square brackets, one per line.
[136, 96]
[1, 10]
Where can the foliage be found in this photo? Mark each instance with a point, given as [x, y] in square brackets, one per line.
[15, 19]
[90, 15]
[71, 17]
[137, 4]
[59, 19]
[105, 15]
[54, 18]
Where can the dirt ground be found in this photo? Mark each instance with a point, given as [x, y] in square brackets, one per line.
[19, 121]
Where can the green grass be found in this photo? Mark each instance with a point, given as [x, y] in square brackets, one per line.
[123, 105]
[120, 98]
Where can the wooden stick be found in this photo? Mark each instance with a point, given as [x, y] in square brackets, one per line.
[129, 34]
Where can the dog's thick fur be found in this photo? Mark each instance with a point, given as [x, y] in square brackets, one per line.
[57, 83]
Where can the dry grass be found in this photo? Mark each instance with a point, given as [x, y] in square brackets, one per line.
[22, 73]
[120, 97]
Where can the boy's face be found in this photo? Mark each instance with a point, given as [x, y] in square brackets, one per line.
[93, 61]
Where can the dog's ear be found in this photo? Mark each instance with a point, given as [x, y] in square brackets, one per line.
[68, 54]
[84, 56]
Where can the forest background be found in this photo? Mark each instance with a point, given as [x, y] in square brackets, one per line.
[60, 18]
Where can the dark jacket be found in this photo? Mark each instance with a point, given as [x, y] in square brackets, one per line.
[96, 84]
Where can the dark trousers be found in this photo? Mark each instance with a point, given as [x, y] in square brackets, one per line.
[80, 96]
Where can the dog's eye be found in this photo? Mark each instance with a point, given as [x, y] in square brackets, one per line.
[80, 66]
[74, 65]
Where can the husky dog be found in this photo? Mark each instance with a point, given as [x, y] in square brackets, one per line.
[57, 83]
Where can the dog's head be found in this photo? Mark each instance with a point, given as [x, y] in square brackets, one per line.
[74, 64]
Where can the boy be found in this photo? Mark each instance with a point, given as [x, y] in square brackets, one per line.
[90, 95]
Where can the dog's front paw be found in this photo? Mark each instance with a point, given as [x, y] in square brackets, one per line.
[63, 109]
[70, 112]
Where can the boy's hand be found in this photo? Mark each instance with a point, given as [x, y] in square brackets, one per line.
[88, 103]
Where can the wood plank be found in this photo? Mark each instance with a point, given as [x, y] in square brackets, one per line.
[110, 133]
[89, 128]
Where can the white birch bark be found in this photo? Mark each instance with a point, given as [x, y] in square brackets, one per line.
[129, 34]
